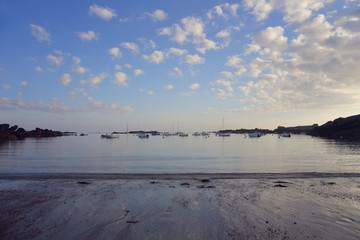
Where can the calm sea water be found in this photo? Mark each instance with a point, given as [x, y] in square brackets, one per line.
[130, 154]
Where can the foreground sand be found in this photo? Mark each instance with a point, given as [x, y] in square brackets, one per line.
[176, 206]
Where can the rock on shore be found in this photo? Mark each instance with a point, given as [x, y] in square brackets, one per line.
[14, 132]
[340, 128]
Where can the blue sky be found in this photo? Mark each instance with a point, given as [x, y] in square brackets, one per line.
[102, 65]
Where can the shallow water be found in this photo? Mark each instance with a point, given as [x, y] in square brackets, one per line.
[130, 154]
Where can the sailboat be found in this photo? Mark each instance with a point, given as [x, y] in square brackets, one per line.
[223, 134]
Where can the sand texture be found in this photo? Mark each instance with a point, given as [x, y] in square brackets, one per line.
[191, 206]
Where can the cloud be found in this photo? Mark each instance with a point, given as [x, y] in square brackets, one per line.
[65, 79]
[38, 69]
[294, 10]
[227, 74]
[138, 72]
[118, 67]
[24, 83]
[272, 38]
[132, 46]
[194, 59]
[194, 86]
[168, 87]
[76, 66]
[156, 57]
[55, 60]
[88, 36]
[150, 93]
[148, 43]
[177, 51]
[54, 106]
[192, 29]
[223, 10]
[260, 8]
[176, 72]
[105, 13]
[158, 15]
[223, 93]
[226, 34]
[115, 52]
[6, 86]
[128, 66]
[207, 45]
[96, 106]
[120, 79]
[94, 80]
[40, 33]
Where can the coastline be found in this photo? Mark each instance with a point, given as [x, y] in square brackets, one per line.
[175, 176]
[180, 206]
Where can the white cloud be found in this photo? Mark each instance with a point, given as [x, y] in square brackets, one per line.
[226, 34]
[150, 93]
[24, 83]
[156, 57]
[194, 86]
[148, 43]
[192, 29]
[65, 79]
[88, 36]
[115, 52]
[138, 72]
[105, 13]
[158, 15]
[76, 60]
[132, 46]
[176, 72]
[76, 66]
[227, 74]
[168, 87]
[80, 69]
[118, 67]
[40, 33]
[177, 51]
[94, 80]
[113, 107]
[207, 45]
[294, 10]
[6, 86]
[128, 66]
[38, 69]
[260, 8]
[272, 38]
[223, 10]
[53, 105]
[194, 59]
[120, 79]
[55, 60]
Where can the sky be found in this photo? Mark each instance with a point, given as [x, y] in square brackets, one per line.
[178, 65]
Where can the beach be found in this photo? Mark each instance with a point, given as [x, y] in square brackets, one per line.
[180, 206]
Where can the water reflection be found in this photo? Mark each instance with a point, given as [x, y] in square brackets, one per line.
[174, 154]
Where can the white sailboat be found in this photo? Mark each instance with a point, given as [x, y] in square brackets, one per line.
[223, 134]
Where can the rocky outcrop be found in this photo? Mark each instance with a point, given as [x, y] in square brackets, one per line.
[13, 133]
[341, 128]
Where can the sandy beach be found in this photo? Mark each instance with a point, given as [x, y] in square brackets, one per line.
[180, 206]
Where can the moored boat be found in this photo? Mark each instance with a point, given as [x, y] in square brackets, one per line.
[112, 135]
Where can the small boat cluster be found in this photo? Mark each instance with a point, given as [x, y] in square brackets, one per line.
[196, 134]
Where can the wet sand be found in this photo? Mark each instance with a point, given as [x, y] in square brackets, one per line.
[180, 206]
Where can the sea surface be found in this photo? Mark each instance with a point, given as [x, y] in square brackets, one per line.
[174, 154]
